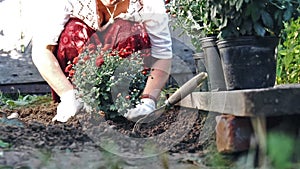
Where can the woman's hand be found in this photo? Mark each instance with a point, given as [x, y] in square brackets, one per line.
[68, 106]
[146, 107]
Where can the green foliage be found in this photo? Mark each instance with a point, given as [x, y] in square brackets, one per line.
[164, 158]
[165, 94]
[254, 17]
[196, 18]
[233, 18]
[4, 144]
[22, 100]
[110, 159]
[44, 157]
[288, 61]
[6, 167]
[280, 150]
[113, 87]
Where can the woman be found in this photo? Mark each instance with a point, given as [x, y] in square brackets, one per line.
[67, 24]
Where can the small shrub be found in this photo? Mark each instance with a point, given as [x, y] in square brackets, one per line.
[288, 69]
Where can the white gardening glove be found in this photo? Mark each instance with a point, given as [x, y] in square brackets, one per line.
[146, 106]
[68, 106]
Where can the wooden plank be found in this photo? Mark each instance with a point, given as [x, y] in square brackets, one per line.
[280, 100]
[26, 88]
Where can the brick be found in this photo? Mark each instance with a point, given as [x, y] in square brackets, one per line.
[233, 133]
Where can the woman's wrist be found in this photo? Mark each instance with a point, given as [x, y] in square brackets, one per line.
[143, 96]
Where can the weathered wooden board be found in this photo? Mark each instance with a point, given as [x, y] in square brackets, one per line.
[280, 100]
[26, 88]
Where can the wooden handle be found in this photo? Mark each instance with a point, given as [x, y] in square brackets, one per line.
[186, 88]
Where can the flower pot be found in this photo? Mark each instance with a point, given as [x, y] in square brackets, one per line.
[213, 64]
[248, 62]
[201, 67]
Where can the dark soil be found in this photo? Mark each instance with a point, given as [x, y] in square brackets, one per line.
[35, 130]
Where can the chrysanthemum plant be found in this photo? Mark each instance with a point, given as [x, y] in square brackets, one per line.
[109, 82]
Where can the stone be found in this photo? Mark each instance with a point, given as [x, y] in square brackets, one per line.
[14, 115]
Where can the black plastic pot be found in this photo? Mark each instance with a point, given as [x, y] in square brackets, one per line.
[214, 69]
[248, 62]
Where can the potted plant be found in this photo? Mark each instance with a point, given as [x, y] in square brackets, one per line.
[248, 37]
[254, 17]
[198, 20]
[258, 22]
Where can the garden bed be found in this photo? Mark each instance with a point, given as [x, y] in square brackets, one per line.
[35, 132]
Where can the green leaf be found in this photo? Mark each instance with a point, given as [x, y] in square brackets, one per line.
[267, 19]
[280, 149]
[6, 167]
[288, 60]
[259, 29]
[282, 52]
[288, 53]
[231, 2]
[10, 103]
[239, 4]
[3, 144]
[255, 13]
[288, 13]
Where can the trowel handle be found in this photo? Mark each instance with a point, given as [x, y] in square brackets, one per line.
[187, 88]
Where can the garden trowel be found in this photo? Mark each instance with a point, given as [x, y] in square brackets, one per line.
[179, 94]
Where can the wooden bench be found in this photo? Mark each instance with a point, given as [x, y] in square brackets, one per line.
[250, 110]
[275, 101]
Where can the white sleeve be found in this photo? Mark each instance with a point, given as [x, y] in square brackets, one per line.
[156, 22]
[50, 21]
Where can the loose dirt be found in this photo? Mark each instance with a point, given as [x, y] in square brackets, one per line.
[35, 137]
